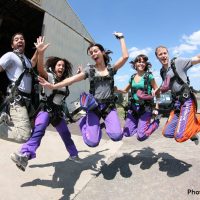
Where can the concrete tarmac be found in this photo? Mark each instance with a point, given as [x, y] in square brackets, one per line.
[156, 169]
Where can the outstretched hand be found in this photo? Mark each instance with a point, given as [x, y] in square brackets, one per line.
[40, 45]
[80, 69]
[45, 83]
[118, 35]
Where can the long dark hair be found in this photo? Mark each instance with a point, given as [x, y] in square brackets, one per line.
[51, 63]
[138, 58]
[106, 56]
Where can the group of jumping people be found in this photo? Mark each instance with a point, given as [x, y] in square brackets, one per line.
[22, 122]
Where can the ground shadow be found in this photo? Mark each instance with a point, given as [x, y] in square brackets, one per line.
[171, 165]
[146, 158]
[67, 173]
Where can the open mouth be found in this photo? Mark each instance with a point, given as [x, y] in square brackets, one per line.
[95, 58]
[20, 46]
[60, 73]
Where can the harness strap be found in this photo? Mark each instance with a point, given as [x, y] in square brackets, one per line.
[134, 91]
[105, 111]
[185, 91]
[95, 79]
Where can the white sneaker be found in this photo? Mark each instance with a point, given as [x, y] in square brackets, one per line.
[21, 160]
[75, 159]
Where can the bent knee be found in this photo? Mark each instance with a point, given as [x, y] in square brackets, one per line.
[116, 137]
[144, 137]
[91, 143]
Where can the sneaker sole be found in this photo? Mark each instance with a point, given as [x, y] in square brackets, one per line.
[17, 163]
[21, 167]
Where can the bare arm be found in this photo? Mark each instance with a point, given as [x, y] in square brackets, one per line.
[196, 60]
[156, 91]
[65, 82]
[34, 59]
[154, 84]
[124, 91]
[121, 61]
[41, 47]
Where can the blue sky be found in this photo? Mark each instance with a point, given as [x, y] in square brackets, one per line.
[145, 24]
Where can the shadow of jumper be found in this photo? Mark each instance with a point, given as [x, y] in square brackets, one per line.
[146, 158]
[67, 173]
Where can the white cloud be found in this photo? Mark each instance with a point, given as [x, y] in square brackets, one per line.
[122, 78]
[183, 48]
[194, 75]
[134, 51]
[193, 39]
[190, 44]
[194, 72]
[195, 69]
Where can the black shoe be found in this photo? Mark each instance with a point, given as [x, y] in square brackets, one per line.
[195, 139]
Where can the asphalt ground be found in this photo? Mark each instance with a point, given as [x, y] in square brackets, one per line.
[158, 168]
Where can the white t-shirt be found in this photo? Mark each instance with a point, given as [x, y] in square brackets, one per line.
[58, 97]
[13, 66]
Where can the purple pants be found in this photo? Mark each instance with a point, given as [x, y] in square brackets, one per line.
[184, 124]
[41, 123]
[140, 125]
[91, 130]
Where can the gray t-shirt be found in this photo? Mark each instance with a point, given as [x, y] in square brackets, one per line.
[13, 66]
[102, 88]
[182, 65]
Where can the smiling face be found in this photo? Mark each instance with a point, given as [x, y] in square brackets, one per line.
[140, 65]
[18, 43]
[163, 56]
[96, 54]
[59, 68]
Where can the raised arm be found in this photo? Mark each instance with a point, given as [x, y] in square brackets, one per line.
[121, 61]
[34, 58]
[65, 82]
[41, 47]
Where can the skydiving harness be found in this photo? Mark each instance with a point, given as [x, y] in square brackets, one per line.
[143, 104]
[46, 104]
[14, 95]
[109, 103]
[186, 90]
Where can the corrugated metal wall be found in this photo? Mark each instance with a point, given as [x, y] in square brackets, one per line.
[68, 38]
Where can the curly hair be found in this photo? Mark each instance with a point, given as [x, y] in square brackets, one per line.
[138, 58]
[51, 63]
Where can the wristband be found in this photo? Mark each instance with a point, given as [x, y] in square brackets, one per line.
[119, 37]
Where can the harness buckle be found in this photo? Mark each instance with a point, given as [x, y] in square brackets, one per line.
[18, 98]
[49, 109]
[185, 95]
